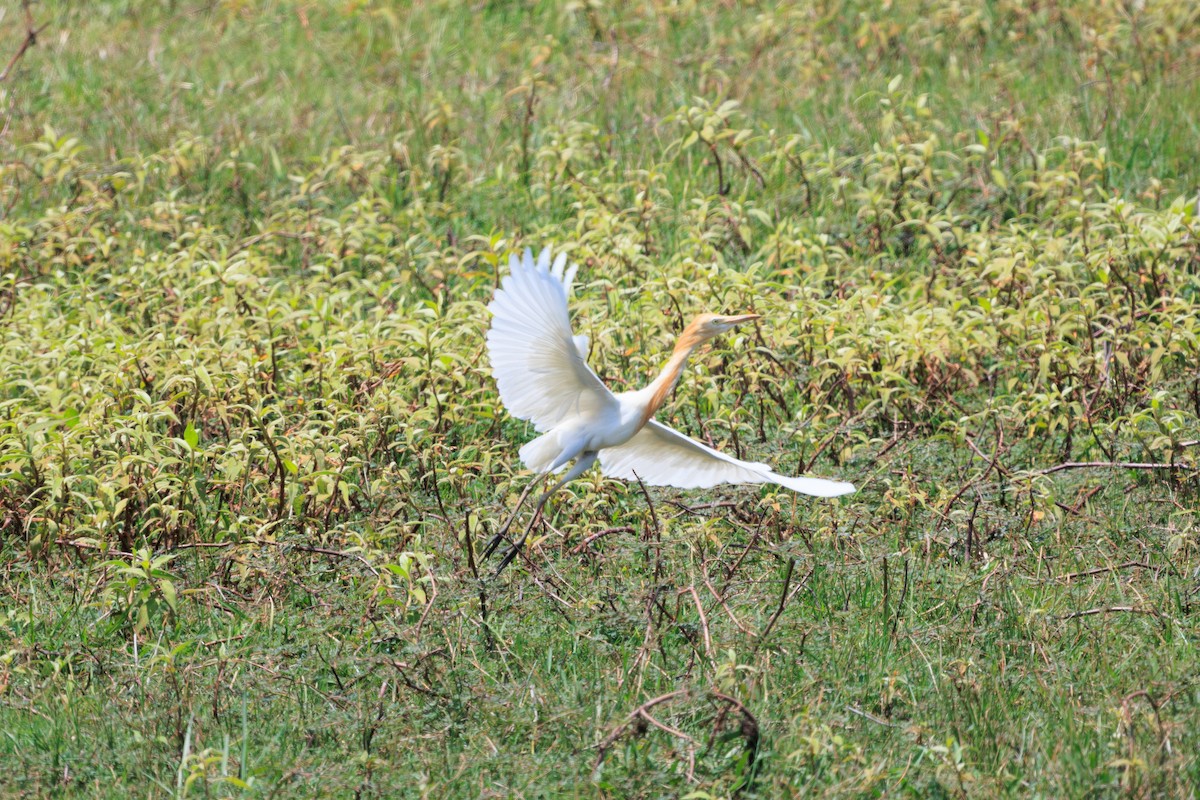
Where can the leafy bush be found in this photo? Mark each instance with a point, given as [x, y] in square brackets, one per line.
[249, 441]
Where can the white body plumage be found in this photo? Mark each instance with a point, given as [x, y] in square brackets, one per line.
[543, 377]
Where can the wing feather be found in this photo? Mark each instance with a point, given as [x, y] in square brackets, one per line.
[661, 456]
[539, 369]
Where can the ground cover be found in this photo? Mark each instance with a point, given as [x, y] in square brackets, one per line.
[250, 447]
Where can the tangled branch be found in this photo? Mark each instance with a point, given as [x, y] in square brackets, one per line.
[31, 35]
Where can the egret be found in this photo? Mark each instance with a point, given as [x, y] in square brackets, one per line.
[543, 377]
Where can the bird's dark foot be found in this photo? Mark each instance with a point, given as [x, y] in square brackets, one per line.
[516, 548]
[508, 558]
[502, 534]
[493, 544]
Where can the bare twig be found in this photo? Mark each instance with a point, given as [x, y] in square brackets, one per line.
[579, 548]
[722, 187]
[708, 651]
[745, 712]
[784, 596]
[783, 599]
[644, 714]
[433, 593]
[812, 462]
[280, 472]
[749, 164]
[945, 515]
[981, 454]
[31, 34]
[751, 733]
[224, 546]
[712, 590]
[1110, 464]
[563, 606]
[1076, 507]
[1126, 708]
[749, 728]
[737, 564]
[1101, 570]
[657, 529]
[638, 712]
[649, 502]
[265, 235]
[99, 548]
[895, 440]
[696, 509]
[468, 545]
[870, 717]
[798, 164]
[1110, 610]
[402, 668]
[306, 548]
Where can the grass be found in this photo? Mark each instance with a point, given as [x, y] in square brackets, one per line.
[250, 445]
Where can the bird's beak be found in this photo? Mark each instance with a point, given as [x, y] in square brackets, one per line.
[738, 320]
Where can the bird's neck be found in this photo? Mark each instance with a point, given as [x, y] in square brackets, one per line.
[660, 388]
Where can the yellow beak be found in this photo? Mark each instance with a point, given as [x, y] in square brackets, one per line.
[738, 320]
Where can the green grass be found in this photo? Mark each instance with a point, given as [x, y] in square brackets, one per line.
[250, 446]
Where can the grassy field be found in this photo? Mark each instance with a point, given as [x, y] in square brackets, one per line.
[250, 447]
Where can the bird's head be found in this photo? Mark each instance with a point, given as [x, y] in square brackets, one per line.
[714, 324]
[710, 326]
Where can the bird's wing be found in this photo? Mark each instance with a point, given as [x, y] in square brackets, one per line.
[660, 456]
[538, 365]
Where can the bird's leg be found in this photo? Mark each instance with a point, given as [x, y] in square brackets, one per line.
[500, 534]
[581, 466]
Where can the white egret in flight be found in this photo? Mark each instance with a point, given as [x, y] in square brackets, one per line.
[543, 377]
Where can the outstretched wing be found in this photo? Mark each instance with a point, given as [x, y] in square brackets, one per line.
[661, 456]
[538, 364]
